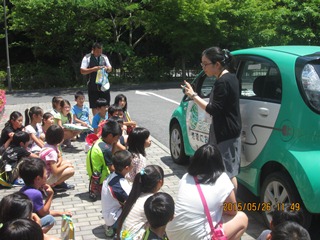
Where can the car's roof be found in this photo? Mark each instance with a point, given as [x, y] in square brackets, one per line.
[287, 50]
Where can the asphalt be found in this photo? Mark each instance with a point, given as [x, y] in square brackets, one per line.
[87, 215]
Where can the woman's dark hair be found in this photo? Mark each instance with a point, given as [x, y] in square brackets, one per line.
[136, 140]
[30, 112]
[159, 209]
[63, 103]
[46, 116]
[14, 206]
[13, 117]
[30, 168]
[206, 162]
[120, 97]
[21, 229]
[223, 56]
[145, 181]
[54, 135]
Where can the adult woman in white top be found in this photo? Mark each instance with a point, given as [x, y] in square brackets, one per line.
[190, 221]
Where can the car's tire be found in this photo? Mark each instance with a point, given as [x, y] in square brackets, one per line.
[178, 154]
[277, 190]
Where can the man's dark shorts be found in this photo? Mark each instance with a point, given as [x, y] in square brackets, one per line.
[94, 95]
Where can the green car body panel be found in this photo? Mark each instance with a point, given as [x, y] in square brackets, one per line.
[293, 146]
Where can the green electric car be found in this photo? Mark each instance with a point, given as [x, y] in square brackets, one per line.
[280, 111]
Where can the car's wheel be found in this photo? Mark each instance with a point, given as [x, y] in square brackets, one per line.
[178, 154]
[277, 190]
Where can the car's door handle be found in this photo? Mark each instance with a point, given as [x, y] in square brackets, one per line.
[263, 112]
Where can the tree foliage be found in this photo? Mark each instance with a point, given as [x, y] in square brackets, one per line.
[58, 33]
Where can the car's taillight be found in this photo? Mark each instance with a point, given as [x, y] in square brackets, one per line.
[311, 85]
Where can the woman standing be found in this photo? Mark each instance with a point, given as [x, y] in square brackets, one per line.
[223, 106]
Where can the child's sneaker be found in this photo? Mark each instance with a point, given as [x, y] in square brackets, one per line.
[110, 232]
[18, 182]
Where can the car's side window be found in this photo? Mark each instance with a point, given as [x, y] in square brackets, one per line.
[260, 80]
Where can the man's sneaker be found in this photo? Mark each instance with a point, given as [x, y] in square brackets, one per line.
[18, 182]
[63, 187]
[110, 232]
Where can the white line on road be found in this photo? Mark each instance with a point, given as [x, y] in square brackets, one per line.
[156, 95]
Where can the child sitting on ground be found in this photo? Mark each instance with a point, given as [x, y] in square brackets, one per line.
[102, 108]
[121, 100]
[115, 191]
[56, 108]
[33, 118]
[12, 156]
[58, 170]
[289, 231]
[16, 206]
[47, 121]
[138, 141]
[159, 210]
[65, 117]
[13, 125]
[81, 113]
[99, 156]
[34, 174]
[18, 229]
[288, 213]
[132, 221]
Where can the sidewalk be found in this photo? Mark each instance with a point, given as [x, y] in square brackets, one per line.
[87, 214]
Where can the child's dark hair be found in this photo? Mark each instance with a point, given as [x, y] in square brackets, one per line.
[101, 102]
[20, 136]
[116, 119]
[14, 206]
[136, 140]
[287, 214]
[207, 162]
[223, 56]
[78, 94]
[54, 135]
[18, 229]
[46, 116]
[111, 127]
[120, 97]
[13, 117]
[63, 103]
[30, 168]
[146, 181]
[55, 100]
[114, 108]
[289, 231]
[159, 209]
[121, 160]
[30, 112]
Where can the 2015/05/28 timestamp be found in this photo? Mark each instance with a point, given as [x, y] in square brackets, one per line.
[264, 206]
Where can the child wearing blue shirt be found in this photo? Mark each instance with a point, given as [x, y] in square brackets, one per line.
[102, 107]
[80, 113]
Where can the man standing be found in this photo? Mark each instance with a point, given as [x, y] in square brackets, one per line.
[90, 64]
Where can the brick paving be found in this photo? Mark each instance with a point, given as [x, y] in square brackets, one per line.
[87, 214]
